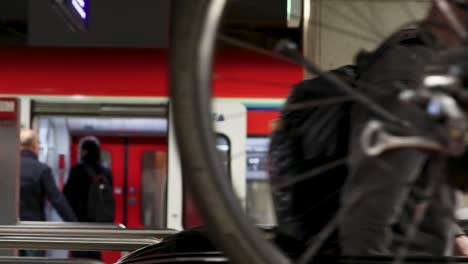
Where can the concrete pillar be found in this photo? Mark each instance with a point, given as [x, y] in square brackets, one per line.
[335, 30]
[9, 164]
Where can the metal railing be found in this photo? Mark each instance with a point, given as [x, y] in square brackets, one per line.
[77, 225]
[76, 243]
[6, 230]
[78, 236]
[34, 260]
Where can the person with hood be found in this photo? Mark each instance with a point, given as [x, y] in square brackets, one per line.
[89, 189]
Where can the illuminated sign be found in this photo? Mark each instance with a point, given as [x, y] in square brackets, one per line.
[80, 7]
[8, 112]
[75, 12]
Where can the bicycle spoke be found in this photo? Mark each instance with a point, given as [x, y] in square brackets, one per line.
[419, 212]
[311, 174]
[252, 81]
[354, 16]
[317, 103]
[286, 53]
[452, 18]
[315, 245]
[315, 205]
[339, 84]
[245, 45]
[317, 242]
[348, 33]
[324, 234]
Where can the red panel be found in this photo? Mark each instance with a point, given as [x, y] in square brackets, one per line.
[61, 174]
[134, 72]
[74, 151]
[240, 73]
[61, 163]
[66, 71]
[259, 122]
[136, 148]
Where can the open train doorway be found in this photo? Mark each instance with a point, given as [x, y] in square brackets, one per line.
[139, 147]
[134, 147]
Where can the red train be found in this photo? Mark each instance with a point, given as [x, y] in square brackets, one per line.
[121, 96]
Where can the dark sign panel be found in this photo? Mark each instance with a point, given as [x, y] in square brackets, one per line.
[75, 12]
[108, 23]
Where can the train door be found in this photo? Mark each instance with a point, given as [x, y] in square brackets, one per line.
[126, 132]
[147, 175]
[139, 170]
[139, 146]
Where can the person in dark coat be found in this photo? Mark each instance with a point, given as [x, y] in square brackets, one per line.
[79, 182]
[38, 185]
[382, 194]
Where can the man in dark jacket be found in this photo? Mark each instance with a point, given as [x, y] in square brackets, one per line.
[383, 195]
[37, 185]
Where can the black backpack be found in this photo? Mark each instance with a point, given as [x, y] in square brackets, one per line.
[308, 138]
[308, 151]
[100, 206]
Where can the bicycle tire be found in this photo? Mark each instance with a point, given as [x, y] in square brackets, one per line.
[193, 36]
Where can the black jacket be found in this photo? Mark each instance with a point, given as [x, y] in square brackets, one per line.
[38, 184]
[77, 186]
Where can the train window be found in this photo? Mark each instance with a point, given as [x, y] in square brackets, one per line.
[153, 187]
[191, 216]
[106, 158]
[259, 201]
[257, 151]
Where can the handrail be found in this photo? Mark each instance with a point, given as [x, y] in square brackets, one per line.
[76, 243]
[34, 260]
[85, 232]
[47, 224]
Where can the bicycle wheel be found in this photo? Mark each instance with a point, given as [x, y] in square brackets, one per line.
[195, 27]
[190, 109]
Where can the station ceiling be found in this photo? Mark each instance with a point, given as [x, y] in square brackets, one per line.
[139, 23]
